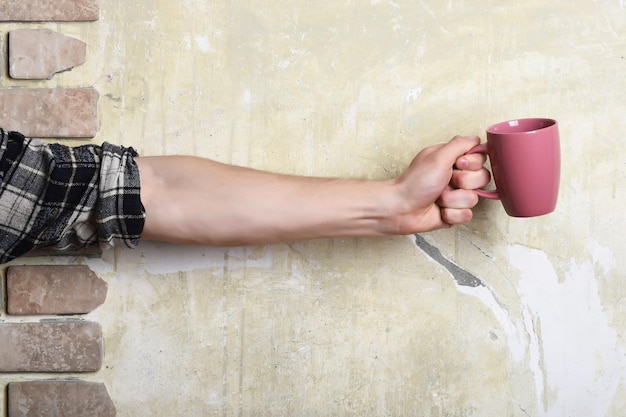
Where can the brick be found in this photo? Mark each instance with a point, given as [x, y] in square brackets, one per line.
[50, 113]
[53, 289]
[51, 346]
[49, 10]
[38, 54]
[59, 399]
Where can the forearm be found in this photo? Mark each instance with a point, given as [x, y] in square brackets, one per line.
[198, 201]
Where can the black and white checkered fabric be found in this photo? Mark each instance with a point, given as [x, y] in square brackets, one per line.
[64, 197]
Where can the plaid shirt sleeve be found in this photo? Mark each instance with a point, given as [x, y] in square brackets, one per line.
[53, 195]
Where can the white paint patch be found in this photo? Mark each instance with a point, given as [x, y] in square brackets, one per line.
[203, 43]
[414, 94]
[581, 361]
[157, 258]
[534, 352]
[247, 97]
[601, 255]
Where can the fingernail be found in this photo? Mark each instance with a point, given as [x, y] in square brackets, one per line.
[463, 163]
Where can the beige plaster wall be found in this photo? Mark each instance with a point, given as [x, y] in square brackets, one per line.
[363, 326]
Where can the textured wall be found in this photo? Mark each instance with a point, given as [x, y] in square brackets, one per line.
[502, 317]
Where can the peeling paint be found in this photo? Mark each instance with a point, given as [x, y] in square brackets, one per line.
[578, 353]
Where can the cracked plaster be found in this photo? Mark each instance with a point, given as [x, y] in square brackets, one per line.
[358, 326]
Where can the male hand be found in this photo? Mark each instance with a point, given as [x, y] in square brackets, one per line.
[436, 191]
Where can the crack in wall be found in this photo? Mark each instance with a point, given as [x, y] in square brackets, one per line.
[460, 275]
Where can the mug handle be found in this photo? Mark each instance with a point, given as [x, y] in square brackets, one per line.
[492, 195]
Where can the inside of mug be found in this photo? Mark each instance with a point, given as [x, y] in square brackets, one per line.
[521, 125]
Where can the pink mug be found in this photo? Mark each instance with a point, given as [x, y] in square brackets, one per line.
[526, 164]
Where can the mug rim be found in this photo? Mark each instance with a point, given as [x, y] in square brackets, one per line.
[542, 123]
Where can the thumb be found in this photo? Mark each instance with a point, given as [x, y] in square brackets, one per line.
[457, 147]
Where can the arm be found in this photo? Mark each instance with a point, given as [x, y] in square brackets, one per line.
[198, 201]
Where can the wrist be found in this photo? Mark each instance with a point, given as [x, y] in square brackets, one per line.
[391, 207]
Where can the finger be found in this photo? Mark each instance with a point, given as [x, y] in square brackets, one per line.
[471, 162]
[456, 216]
[456, 148]
[457, 199]
[470, 180]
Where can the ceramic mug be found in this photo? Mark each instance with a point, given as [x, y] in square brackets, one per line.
[526, 165]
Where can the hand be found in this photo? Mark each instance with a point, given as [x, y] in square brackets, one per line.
[436, 190]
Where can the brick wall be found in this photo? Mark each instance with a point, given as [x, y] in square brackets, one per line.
[60, 341]
[37, 54]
